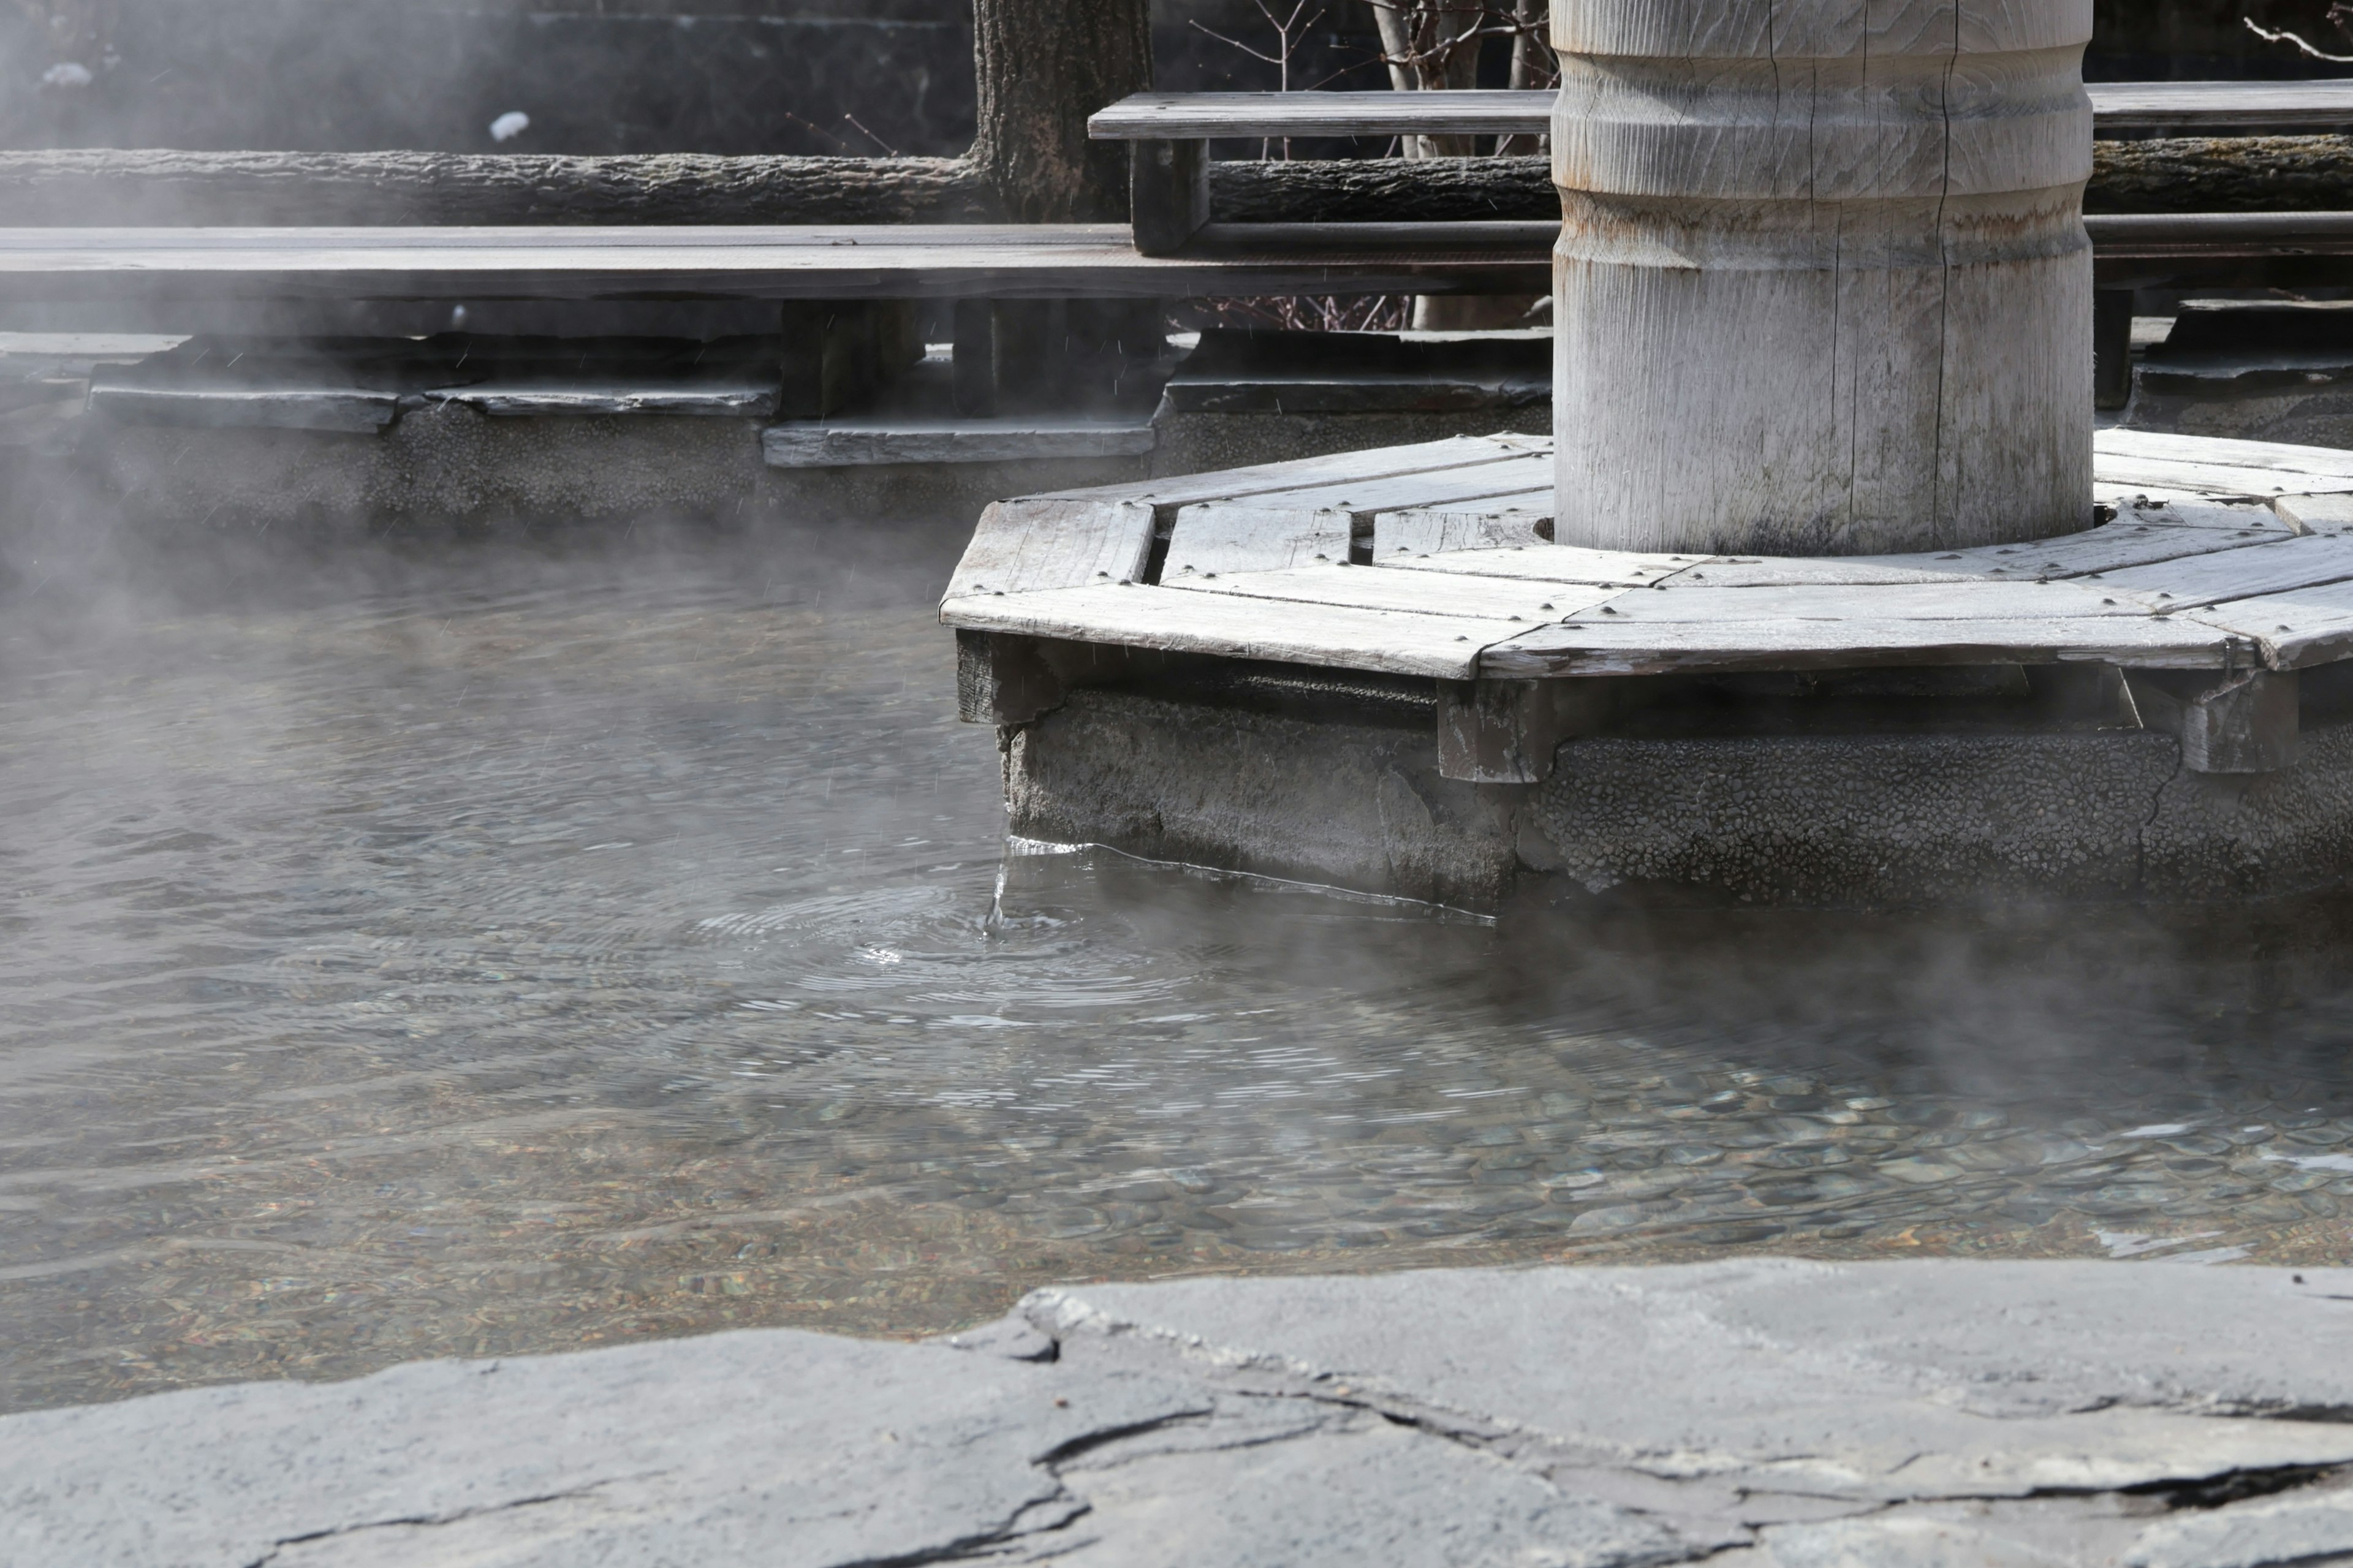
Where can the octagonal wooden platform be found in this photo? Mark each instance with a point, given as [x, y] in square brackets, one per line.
[1435, 561]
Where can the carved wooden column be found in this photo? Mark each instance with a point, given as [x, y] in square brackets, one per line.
[1822, 285]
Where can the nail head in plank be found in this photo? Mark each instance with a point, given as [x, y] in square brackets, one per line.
[2237, 574]
[2297, 630]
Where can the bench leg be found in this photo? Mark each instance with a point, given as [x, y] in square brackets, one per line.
[2112, 374]
[1167, 193]
[974, 370]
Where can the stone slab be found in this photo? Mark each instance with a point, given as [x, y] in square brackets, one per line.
[1765, 1413]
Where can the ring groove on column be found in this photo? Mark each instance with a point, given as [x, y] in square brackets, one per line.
[1822, 285]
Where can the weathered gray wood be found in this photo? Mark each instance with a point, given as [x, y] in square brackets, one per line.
[1020, 546]
[1631, 648]
[1334, 582]
[1263, 116]
[1366, 495]
[2119, 443]
[2218, 514]
[1394, 642]
[1507, 731]
[1684, 599]
[2112, 366]
[2235, 574]
[1808, 305]
[2297, 630]
[2124, 478]
[857, 443]
[2248, 723]
[1221, 539]
[1004, 679]
[1496, 524]
[1168, 193]
[2331, 513]
[2221, 108]
[2202, 108]
[2079, 557]
[1548, 564]
[319, 405]
[125, 267]
[1166, 495]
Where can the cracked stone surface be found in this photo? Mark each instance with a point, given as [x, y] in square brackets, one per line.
[1773, 1414]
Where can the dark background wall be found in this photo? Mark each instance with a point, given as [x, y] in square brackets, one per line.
[722, 76]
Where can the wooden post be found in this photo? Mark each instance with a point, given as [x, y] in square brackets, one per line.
[1822, 285]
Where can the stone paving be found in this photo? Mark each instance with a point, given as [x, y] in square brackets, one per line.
[1778, 1413]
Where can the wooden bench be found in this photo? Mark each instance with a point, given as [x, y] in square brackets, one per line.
[411, 280]
[1171, 131]
[1171, 135]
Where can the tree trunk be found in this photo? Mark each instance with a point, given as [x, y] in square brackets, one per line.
[1821, 288]
[1044, 66]
[136, 188]
[101, 186]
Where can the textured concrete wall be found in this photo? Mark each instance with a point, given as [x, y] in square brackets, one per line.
[1817, 821]
[1354, 805]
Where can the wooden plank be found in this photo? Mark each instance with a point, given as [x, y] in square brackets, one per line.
[1500, 521]
[1587, 649]
[2224, 515]
[894, 261]
[1306, 473]
[2077, 557]
[2127, 477]
[1254, 116]
[2156, 446]
[1395, 642]
[1022, 546]
[1221, 539]
[2236, 574]
[851, 443]
[2221, 108]
[2190, 107]
[2296, 630]
[1548, 564]
[1334, 583]
[2316, 513]
[1681, 600]
[1366, 495]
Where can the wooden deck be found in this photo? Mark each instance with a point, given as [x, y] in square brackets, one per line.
[1434, 561]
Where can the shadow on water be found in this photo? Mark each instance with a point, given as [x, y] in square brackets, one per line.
[420, 947]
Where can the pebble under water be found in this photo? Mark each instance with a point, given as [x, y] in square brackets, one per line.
[427, 947]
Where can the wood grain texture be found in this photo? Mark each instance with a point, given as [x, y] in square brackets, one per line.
[2190, 107]
[2298, 630]
[756, 262]
[1388, 641]
[1021, 546]
[1822, 285]
[2236, 574]
[1362, 587]
[1586, 649]
[1497, 523]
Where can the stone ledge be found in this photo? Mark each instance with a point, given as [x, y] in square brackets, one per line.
[1771, 1414]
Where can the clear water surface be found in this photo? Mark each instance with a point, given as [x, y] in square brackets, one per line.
[444, 946]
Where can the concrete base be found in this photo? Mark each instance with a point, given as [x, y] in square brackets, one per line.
[1340, 784]
[1767, 1415]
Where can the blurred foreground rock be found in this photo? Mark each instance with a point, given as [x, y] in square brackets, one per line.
[1768, 1412]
